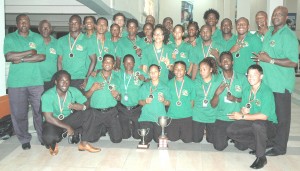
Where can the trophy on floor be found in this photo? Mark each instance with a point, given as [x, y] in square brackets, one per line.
[143, 133]
[163, 139]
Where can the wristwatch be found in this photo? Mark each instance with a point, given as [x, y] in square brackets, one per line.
[272, 61]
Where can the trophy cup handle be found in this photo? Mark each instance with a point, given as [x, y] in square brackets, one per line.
[147, 132]
[170, 121]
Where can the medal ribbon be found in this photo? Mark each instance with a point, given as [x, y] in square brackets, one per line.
[105, 80]
[126, 85]
[207, 50]
[178, 95]
[254, 95]
[156, 54]
[206, 92]
[231, 80]
[72, 46]
[100, 51]
[61, 107]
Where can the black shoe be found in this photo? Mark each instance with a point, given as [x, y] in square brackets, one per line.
[259, 163]
[273, 152]
[26, 146]
[253, 152]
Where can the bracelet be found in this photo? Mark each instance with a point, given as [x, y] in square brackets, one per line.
[272, 61]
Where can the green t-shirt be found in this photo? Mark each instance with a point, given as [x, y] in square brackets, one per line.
[129, 87]
[260, 36]
[50, 102]
[181, 53]
[203, 112]
[24, 74]
[48, 67]
[263, 102]
[126, 46]
[242, 58]
[199, 52]
[225, 106]
[217, 34]
[102, 49]
[124, 33]
[151, 111]
[77, 65]
[103, 98]
[187, 95]
[150, 56]
[227, 44]
[283, 44]
[144, 43]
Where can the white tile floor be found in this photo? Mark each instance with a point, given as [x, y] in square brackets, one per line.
[124, 156]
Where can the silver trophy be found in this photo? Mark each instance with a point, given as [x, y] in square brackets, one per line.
[142, 144]
[163, 139]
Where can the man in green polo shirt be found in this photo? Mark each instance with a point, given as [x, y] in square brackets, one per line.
[103, 44]
[226, 99]
[279, 57]
[103, 92]
[24, 49]
[49, 66]
[75, 54]
[227, 40]
[255, 123]
[130, 44]
[211, 18]
[65, 115]
[246, 44]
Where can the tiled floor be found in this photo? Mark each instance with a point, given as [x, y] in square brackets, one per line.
[125, 156]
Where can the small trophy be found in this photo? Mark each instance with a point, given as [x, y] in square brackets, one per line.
[143, 133]
[163, 139]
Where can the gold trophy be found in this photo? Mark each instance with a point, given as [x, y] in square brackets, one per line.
[143, 133]
[163, 139]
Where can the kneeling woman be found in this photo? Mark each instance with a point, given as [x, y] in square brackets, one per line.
[58, 104]
[154, 97]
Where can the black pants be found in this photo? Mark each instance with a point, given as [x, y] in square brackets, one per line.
[154, 131]
[107, 120]
[220, 135]
[283, 112]
[253, 134]
[180, 129]
[198, 131]
[81, 121]
[129, 121]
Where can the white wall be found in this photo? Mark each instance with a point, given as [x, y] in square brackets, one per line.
[2, 59]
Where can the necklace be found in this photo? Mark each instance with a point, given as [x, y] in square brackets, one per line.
[207, 53]
[248, 105]
[61, 106]
[178, 103]
[110, 87]
[228, 87]
[126, 86]
[71, 46]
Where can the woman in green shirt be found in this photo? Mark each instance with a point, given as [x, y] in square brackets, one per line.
[154, 96]
[204, 115]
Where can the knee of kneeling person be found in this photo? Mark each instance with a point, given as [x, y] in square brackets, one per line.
[220, 147]
[258, 125]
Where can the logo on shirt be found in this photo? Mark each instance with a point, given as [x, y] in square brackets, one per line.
[238, 88]
[272, 43]
[105, 49]
[182, 55]
[185, 93]
[32, 45]
[52, 51]
[257, 102]
[79, 48]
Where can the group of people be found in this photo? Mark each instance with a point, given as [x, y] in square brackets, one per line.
[210, 82]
